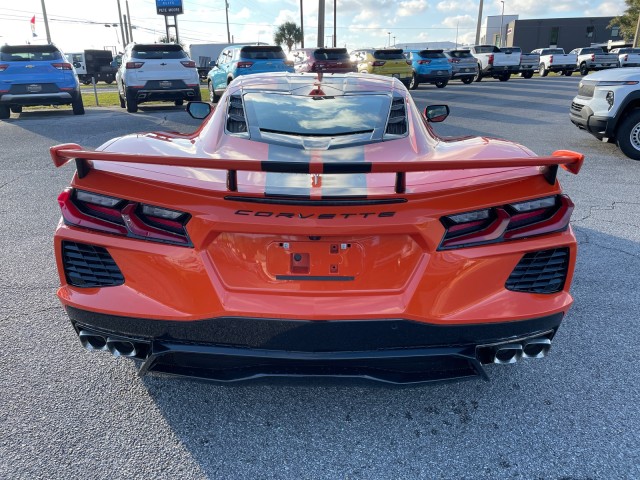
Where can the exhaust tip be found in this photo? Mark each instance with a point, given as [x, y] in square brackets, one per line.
[536, 348]
[93, 342]
[121, 348]
[506, 354]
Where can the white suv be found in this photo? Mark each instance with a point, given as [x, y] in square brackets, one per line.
[608, 107]
[153, 72]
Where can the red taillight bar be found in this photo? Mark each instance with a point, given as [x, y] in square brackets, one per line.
[570, 161]
[188, 63]
[245, 64]
[377, 63]
[132, 65]
[491, 57]
[3, 67]
[62, 66]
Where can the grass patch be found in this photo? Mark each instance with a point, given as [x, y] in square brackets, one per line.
[111, 99]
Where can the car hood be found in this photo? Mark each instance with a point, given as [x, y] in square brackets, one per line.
[621, 74]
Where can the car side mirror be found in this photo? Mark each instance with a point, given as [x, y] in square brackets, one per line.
[436, 113]
[199, 110]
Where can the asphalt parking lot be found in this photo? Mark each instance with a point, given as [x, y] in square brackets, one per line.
[67, 413]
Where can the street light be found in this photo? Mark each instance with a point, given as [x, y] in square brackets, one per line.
[389, 33]
[501, 23]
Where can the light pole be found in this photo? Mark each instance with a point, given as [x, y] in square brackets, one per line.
[394, 40]
[501, 23]
[389, 33]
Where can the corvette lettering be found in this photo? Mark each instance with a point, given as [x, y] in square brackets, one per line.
[318, 216]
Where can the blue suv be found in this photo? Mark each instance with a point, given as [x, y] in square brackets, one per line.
[36, 75]
[429, 66]
[240, 60]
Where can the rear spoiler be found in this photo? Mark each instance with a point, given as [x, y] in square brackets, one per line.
[570, 161]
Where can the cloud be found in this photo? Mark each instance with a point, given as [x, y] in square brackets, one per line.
[457, 6]
[459, 21]
[412, 7]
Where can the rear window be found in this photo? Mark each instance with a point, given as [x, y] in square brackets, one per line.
[331, 54]
[591, 50]
[553, 51]
[262, 53]
[316, 116]
[159, 51]
[630, 50]
[26, 53]
[486, 49]
[395, 54]
[432, 54]
[460, 54]
[511, 50]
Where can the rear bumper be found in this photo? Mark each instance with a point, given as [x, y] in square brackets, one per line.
[59, 98]
[433, 76]
[150, 95]
[239, 348]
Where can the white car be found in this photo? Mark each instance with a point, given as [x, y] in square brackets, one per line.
[156, 72]
[608, 107]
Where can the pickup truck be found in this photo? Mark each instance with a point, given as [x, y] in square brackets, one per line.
[528, 61]
[594, 58]
[555, 60]
[627, 56]
[494, 63]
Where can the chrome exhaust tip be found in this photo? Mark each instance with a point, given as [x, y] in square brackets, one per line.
[121, 348]
[536, 348]
[93, 342]
[506, 354]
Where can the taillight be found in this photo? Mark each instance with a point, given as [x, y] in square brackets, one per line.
[424, 62]
[132, 65]
[408, 62]
[245, 64]
[317, 66]
[377, 63]
[626, 57]
[593, 57]
[288, 63]
[507, 222]
[491, 59]
[188, 63]
[550, 59]
[62, 66]
[123, 217]
[3, 67]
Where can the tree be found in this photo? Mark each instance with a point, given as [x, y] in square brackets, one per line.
[172, 39]
[289, 33]
[628, 20]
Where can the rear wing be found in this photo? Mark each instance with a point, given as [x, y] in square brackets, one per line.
[570, 161]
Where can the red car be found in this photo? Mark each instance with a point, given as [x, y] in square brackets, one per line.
[315, 226]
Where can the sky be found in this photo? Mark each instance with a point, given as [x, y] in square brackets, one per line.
[76, 26]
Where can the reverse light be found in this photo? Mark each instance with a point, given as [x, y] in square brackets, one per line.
[123, 217]
[188, 63]
[133, 65]
[62, 66]
[507, 222]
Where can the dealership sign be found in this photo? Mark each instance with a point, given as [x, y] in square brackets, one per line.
[169, 7]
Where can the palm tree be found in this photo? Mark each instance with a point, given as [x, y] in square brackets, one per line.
[288, 33]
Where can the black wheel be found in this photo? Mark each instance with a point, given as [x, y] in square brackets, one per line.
[77, 105]
[213, 98]
[478, 76]
[542, 70]
[132, 102]
[16, 109]
[178, 103]
[122, 102]
[413, 84]
[628, 135]
[198, 96]
[108, 80]
[584, 70]
[4, 112]
[86, 82]
[467, 80]
[568, 73]
[504, 76]
[442, 83]
[527, 75]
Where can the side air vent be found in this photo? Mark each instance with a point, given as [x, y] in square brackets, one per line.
[89, 266]
[236, 121]
[544, 271]
[397, 124]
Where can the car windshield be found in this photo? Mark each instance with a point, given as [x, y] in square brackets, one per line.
[158, 52]
[331, 54]
[317, 115]
[388, 55]
[29, 53]
[262, 53]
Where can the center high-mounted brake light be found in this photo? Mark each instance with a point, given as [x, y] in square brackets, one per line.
[123, 217]
[506, 222]
[62, 66]
[132, 65]
[188, 63]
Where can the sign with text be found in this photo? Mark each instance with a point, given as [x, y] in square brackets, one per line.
[169, 7]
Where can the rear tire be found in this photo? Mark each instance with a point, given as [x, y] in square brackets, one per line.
[543, 70]
[584, 70]
[478, 75]
[442, 83]
[628, 135]
[504, 77]
[568, 73]
[78, 106]
[467, 80]
[16, 109]
[213, 98]
[413, 84]
[527, 75]
[178, 103]
[4, 112]
[122, 102]
[132, 102]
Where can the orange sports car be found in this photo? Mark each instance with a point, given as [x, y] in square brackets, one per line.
[315, 226]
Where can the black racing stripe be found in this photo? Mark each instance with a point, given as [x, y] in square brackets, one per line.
[285, 167]
[330, 202]
[287, 172]
[316, 278]
[346, 168]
